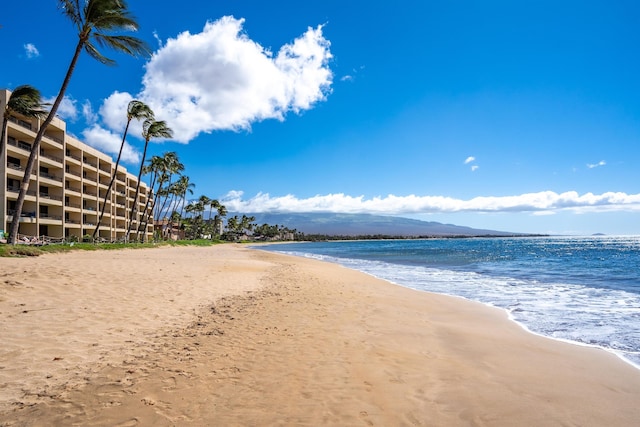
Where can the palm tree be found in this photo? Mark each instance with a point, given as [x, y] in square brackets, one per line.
[95, 20]
[26, 101]
[150, 129]
[182, 187]
[221, 212]
[135, 110]
[170, 167]
[149, 169]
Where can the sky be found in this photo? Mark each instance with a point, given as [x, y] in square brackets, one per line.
[519, 116]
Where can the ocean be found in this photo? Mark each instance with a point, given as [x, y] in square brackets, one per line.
[584, 290]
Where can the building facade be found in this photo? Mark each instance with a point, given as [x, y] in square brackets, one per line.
[67, 187]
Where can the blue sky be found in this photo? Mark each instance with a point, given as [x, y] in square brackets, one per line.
[510, 115]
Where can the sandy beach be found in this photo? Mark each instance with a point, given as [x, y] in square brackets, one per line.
[231, 336]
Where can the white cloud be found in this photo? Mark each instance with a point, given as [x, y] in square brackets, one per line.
[469, 160]
[31, 51]
[595, 165]
[219, 79]
[87, 112]
[474, 168]
[545, 202]
[109, 142]
[67, 109]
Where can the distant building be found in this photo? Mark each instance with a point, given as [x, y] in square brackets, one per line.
[67, 186]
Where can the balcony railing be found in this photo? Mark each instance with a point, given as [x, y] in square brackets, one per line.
[21, 122]
[49, 176]
[54, 138]
[70, 188]
[78, 174]
[72, 205]
[54, 217]
[90, 163]
[17, 190]
[50, 196]
[14, 166]
[28, 214]
[71, 221]
[73, 156]
[20, 144]
[50, 157]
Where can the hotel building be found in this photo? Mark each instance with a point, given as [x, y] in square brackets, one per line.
[67, 186]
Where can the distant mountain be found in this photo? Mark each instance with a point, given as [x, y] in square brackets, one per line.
[337, 224]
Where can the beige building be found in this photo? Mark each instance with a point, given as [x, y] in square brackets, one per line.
[67, 187]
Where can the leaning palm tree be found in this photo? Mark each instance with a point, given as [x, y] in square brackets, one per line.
[150, 129]
[95, 20]
[26, 101]
[135, 110]
[171, 166]
[159, 168]
[180, 188]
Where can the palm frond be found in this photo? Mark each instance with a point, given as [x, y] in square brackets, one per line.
[95, 54]
[72, 9]
[26, 100]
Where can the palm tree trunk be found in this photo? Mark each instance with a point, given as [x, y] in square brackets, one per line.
[135, 198]
[35, 148]
[113, 178]
[146, 206]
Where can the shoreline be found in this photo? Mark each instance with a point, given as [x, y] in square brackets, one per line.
[250, 337]
[620, 354]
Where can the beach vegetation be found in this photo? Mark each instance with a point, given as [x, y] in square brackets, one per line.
[99, 23]
[31, 250]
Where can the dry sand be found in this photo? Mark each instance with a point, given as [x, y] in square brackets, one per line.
[228, 336]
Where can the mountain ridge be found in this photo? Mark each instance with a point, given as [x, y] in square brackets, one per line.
[343, 224]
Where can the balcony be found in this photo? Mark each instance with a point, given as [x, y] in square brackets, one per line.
[51, 197]
[25, 216]
[74, 157]
[19, 144]
[54, 138]
[17, 190]
[91, 163]
[50, 218]
[21, 122]
[74, 189]
[74, 173]
[50, 157]
[51, 177]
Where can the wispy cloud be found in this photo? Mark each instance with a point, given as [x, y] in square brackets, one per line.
[31, 51]
[87, 112]
[596, 165]
[469, 160]
[220, 79]
[67, 109]
[545, 202]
